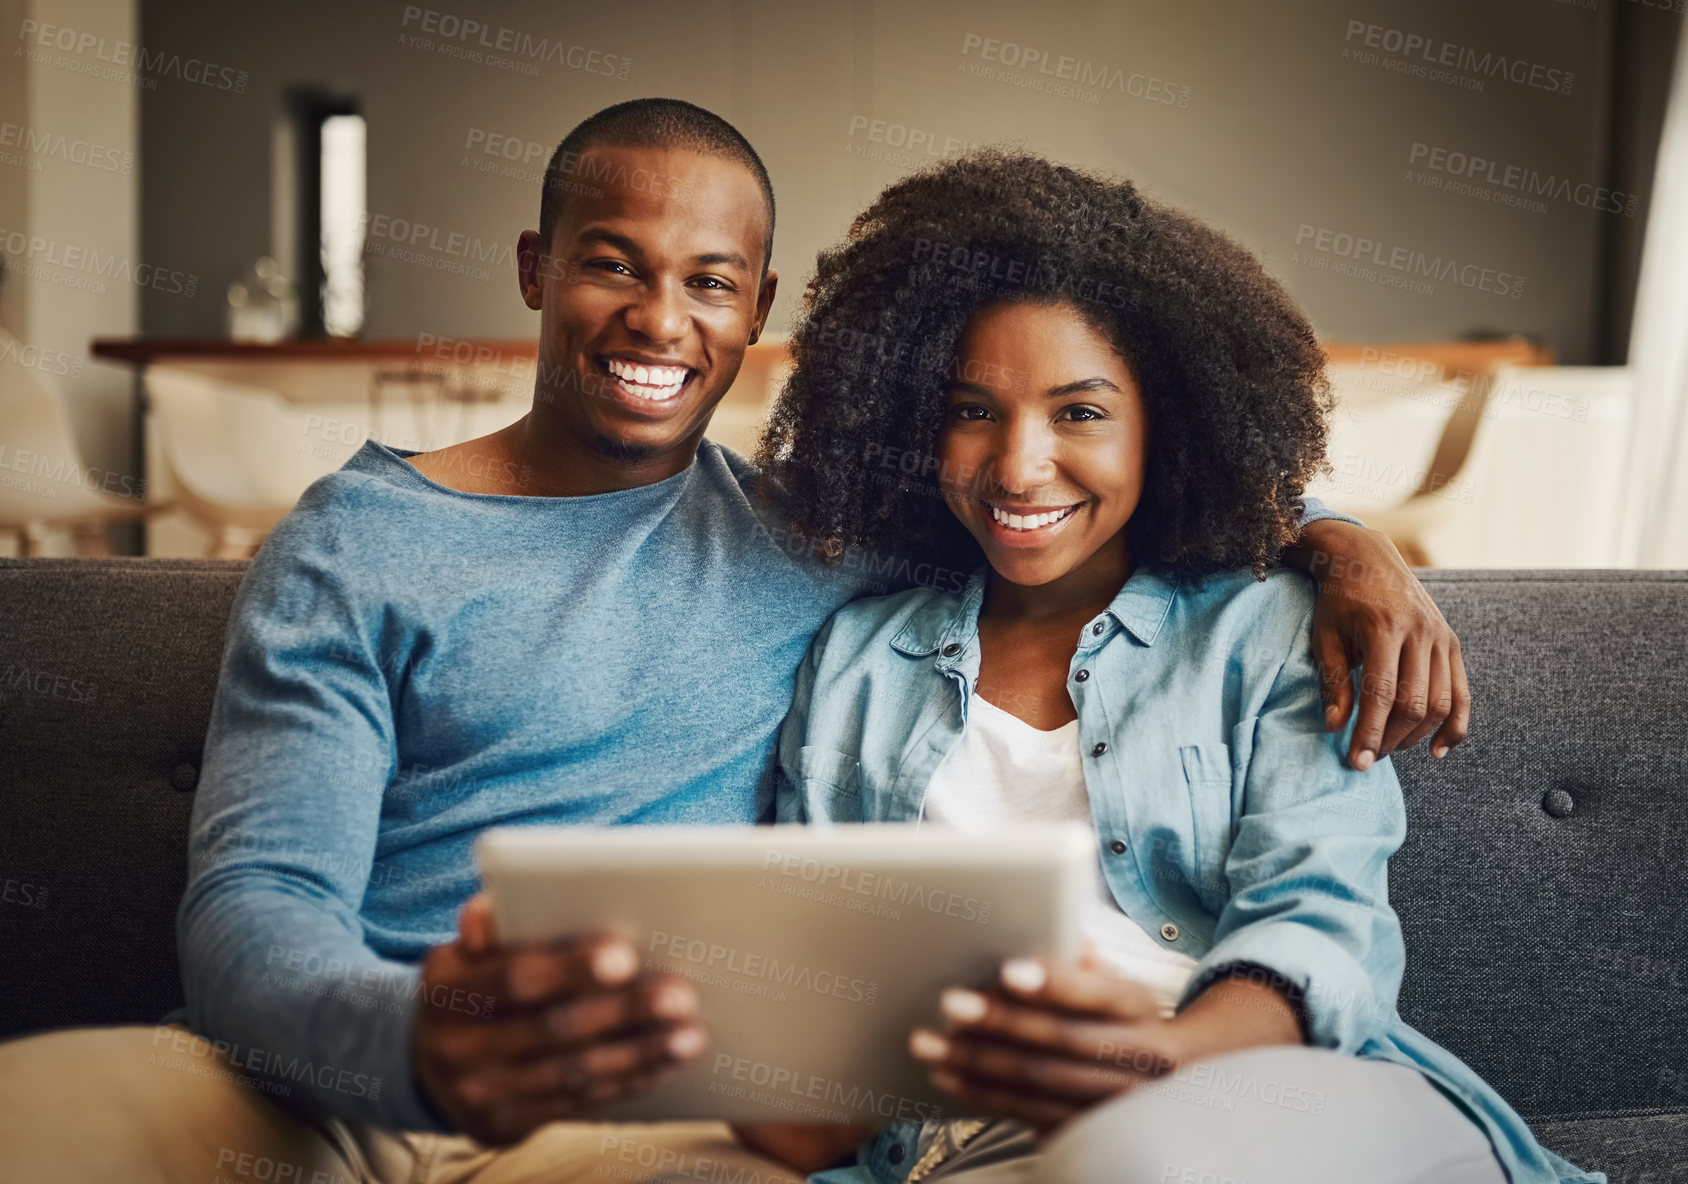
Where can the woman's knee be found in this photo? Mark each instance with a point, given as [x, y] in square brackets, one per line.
[1211, 1122]
[1268, 1115]
[1163, 1132]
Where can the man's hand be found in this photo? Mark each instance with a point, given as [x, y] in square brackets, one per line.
[1372, 611]
[557, 1028]
[1055, 1040]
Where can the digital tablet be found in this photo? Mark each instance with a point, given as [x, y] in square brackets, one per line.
[814, 950]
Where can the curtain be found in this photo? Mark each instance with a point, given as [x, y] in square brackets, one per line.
[1655, 520]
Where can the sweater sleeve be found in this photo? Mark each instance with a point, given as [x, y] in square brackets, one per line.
[298, 756]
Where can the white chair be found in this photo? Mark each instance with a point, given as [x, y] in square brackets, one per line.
[1522, 469]
[233, 455]
[1401, 447]
[44, 486]
[1546, 471]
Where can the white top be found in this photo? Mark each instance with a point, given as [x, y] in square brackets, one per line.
[1003, 771]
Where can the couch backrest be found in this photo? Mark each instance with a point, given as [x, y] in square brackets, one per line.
[107, 670]
[1542, 886]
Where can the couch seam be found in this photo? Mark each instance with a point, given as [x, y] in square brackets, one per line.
[1577, 1117]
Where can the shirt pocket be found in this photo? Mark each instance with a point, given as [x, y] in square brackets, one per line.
[1207, 776]
[830, 782]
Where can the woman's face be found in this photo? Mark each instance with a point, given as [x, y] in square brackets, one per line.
[1043, 442]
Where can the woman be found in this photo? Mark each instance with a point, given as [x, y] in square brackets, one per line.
[1119, 425]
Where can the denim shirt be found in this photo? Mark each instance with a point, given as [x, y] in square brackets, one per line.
[1227, 823]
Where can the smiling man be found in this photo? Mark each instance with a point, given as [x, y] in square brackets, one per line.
[588, 617]
[650, 272]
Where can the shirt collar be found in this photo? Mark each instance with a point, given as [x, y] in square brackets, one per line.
[1140, 607]
[1144, 604]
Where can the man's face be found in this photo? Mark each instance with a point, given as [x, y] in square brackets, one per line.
[650, 291]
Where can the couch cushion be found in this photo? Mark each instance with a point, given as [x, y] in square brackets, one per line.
[107, 669]
[1549, 950]
[1644, 1149]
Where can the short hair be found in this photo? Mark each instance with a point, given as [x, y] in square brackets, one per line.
[1230, 371]
[652, 123]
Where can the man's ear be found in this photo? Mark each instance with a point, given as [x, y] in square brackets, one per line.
[531, 260]
[764, 303]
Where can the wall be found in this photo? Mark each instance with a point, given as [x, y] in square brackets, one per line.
[1276, 131]
[70, 210]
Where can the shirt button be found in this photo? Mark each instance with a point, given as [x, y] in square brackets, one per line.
[1097, 628]
[1169, 931]
[951, 650]
[1100, 748]
[1117, 846]
[896, 1154]
[1081, 676]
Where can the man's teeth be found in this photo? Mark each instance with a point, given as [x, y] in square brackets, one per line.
[1028, 521]
[649, 382]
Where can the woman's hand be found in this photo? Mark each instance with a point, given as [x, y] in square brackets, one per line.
[1056, 1039]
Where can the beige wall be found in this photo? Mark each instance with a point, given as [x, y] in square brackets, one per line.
[1270, 129]
[1279, 132]
[1280, 124]
[70, 186]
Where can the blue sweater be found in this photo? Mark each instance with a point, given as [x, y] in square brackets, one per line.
[408, 665]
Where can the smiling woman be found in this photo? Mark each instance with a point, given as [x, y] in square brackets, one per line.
[1121, 424]
[1043, 462]
[1227, 370]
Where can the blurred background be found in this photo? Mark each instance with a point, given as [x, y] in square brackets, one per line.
[240, 239]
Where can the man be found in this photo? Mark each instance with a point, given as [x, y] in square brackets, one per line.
[586, 617]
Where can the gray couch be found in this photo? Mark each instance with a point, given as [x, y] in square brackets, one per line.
[1542, 886]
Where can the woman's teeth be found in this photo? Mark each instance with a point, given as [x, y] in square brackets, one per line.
[1029, 521]
[648, 382]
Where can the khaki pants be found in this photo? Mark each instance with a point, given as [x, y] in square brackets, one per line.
[101, 1105]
